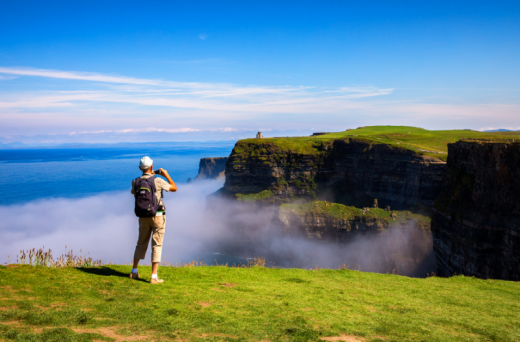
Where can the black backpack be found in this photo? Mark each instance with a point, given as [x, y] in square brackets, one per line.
[145, 200]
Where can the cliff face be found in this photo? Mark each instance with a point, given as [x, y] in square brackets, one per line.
[349, 171]
[212, 168]
[476, 224]
[333, 222]
[395, 241]
[253, 168]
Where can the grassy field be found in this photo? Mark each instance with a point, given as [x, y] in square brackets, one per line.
[422, 141]
[251, 304]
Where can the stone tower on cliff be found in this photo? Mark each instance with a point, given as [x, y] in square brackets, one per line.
[259, 135]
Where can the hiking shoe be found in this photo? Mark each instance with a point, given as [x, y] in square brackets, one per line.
[134, 275]
[156, 281]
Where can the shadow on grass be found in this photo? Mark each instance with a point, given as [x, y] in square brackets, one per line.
[106, 272]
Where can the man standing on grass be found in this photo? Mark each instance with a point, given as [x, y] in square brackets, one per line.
[149, 207]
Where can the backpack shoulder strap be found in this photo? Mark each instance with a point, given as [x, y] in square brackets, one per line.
[136, 183]
[149, 180]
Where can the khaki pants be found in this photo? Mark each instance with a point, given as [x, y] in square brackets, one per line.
[150, 226]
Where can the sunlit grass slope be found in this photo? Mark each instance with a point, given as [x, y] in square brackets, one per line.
[252, 304]
[422, 141]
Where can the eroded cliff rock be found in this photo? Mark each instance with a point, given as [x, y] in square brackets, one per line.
[379, 240]
[255, 167]
[321, 220]
[476, 224]
[350, 171]
[212, 168]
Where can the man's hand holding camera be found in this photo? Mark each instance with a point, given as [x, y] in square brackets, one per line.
[164, 173]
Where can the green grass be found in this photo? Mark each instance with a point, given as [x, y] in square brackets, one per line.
[262, 195]
[263, 304]
[342, 212]
[422, 141]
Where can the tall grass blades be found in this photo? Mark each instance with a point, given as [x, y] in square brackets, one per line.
[39, 257]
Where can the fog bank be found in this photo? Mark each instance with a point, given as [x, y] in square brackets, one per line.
[106, 226]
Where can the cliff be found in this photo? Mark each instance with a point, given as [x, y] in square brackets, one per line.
[321, 220]
[351, 171]
[399, 165]
[476, 224]
[380, 240]
[256, 167]
[212, 168]
[402, 167]
[394, 175]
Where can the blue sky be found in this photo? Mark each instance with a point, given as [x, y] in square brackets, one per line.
[135, 71]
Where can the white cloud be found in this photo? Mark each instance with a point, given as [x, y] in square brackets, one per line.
[71, 75]
[150, 86]
[163, 130]
[504, 127]
[151, 129]
[196, 106]
[206, 97]
[203, 36]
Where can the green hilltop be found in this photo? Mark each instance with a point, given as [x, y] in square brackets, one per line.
[251, 304]
[419, 140]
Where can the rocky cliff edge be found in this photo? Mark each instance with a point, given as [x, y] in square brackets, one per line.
[476, 224]
[212, 168]
[351, 171]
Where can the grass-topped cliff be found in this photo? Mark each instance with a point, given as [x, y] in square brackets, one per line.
[340, 212]
[403, 239]
[398, 165]
[251, 304]
[419, 140]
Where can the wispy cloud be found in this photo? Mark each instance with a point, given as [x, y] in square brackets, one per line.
[174, 88]
[203, 36]
[129, 103]
[163, 130]
[186, 95]
[84, 76]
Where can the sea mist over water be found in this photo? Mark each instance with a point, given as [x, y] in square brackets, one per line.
[106, 226]
[246, 231]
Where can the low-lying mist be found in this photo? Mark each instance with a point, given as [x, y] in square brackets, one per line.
[106, 226]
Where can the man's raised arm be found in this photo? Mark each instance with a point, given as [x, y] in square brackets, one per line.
[165, 174]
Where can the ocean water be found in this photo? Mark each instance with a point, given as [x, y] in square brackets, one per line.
[33, 174]
[80, 198]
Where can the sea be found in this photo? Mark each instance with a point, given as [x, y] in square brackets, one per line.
[73, 172]
[78, 197]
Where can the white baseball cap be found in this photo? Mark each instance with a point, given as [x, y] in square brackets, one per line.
[145, 163]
